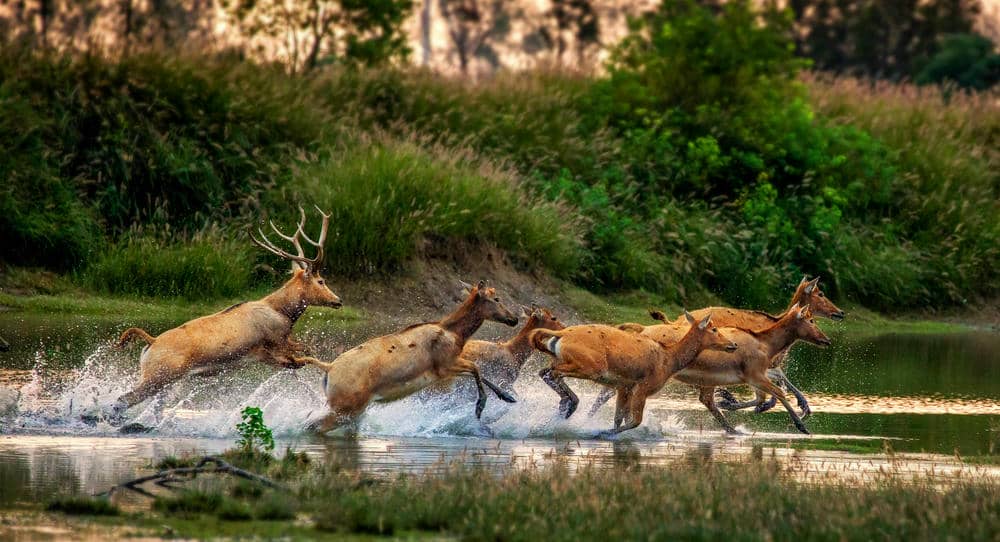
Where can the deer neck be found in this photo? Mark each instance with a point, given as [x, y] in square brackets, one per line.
[519, 345]
[288, 300]
[683, 352]
[777, 337]
[464, 321]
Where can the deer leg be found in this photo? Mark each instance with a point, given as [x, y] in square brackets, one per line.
[603, 397]
[729, 401]
[778, 375]
[762, 383]
[465, 366]
[147, 388]
[333, 420]
[636, 408]
[621, 406]
[706, 394]
[568, 400]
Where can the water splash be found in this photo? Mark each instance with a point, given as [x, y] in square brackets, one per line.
[210, 406]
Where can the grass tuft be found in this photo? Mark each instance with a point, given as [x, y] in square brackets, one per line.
[83, 506]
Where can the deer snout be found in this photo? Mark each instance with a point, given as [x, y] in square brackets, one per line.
[510, 320]
[824, 341]
[838, 316]
[731, 347]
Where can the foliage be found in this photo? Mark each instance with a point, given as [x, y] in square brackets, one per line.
[209, 264]
[254, 433]
[704, 502]
[389, 200]
[320, 32]
[878, 38]
[967, 60]
[80, 505]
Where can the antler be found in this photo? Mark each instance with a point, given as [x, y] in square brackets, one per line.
[311, 264]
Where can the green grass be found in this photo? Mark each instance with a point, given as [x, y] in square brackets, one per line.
[139, 175]
[208, 266]
[83, 506]
[751, 501]
[392, 201]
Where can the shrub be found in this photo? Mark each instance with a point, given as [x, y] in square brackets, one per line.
[89, 506]
[388, 198]
[209, 265]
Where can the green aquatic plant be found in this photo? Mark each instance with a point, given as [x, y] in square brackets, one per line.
[255, 435]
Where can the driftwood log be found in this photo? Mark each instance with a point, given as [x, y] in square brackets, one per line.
[207, 465]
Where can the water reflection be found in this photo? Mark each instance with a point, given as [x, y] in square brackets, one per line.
[928, 393]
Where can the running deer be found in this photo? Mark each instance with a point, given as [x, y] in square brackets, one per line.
[501, 362]
[632, 364]
[807, 293]
[393, 366]
[259, 328]
[751, 361]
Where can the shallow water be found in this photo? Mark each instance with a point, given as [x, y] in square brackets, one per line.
[922, 393]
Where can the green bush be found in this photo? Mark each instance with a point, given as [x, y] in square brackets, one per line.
[209, 265]
[79, 505]
[389, 198]
[967, 60]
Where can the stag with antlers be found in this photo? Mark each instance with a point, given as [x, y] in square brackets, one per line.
[260, 329]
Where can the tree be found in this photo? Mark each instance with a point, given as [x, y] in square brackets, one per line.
[578, 20]
[967, 60]
[877, 38]
[470, 22]
[308, 33]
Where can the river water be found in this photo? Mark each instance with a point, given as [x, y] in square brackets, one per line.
[930, 396]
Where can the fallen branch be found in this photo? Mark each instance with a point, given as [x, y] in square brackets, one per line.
[165, 478]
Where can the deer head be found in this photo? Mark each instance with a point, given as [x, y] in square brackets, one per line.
[540, 318]
[306, 278]
[487, 303]
[708, 335]
[809, 294]
[805, 326]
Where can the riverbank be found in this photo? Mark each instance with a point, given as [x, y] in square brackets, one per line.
[749, 499]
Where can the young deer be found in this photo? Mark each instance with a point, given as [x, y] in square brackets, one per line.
[807, 293]
[751, 361]
[501, 362]
[393, 366]
[634, 365]
[260, 328]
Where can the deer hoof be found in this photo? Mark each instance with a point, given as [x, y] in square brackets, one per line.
[725, 395]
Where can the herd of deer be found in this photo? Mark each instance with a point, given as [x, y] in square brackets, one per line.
[708, 348]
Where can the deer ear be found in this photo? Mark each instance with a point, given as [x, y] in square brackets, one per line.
[805, 279]
[526, 311]
[794, 308]
[466, 288]
[811, 285]
[481, 285]
[689, 317]
[705, 322]
[802, 312]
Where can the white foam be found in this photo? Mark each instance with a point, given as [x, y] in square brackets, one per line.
[211, 406]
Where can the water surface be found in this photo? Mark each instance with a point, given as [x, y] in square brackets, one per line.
[926, 393]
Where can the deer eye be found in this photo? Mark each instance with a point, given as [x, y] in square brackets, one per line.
[821, 294]
[497, 299]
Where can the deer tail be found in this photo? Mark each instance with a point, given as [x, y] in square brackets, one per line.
[658, 315]
[546, 340]
[131, 332]
[323, 365]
